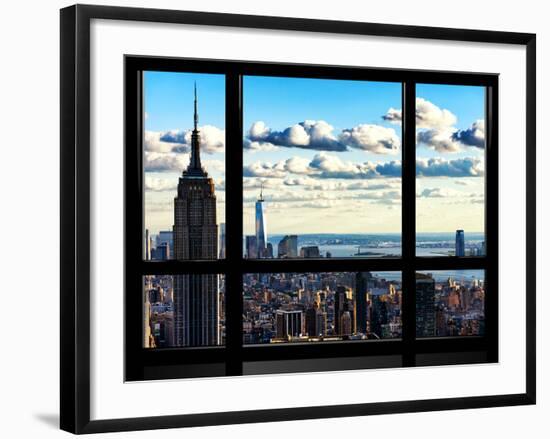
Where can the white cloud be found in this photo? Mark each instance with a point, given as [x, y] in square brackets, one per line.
[437, 130]
[265, 169]
[429, 115]
[254, 146]
[440, 139]
[309, 134]
[323, 166]
[393, 115]
[372, 138]
[438, 167]
[153, 142]
[472, 136]
[330, 166]
[165, 162]
[212, 139]
[154, 184]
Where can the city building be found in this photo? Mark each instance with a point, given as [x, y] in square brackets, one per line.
[148, 338]
[165, 236]
[269, 250]
[343, 304]
[288, 247]
[161, 252]
[311, 251]
[379, 316]
[261, 234]
[195, 232]
[459, 243]
[147, 255]
[288, 324]
[222, 240]
[425, 305]
[363, 282]
[251, 247]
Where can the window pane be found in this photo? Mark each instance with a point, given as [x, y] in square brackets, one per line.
[184, 166]
[183, 310]
[450, 303]
[316, 307]
[450, 169]
[322, 168]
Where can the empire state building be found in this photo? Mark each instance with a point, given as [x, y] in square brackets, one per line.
[196, 296]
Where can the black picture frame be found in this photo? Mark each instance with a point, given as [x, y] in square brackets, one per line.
[75, 217]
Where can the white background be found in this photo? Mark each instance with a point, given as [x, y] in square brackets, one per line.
[29, 186]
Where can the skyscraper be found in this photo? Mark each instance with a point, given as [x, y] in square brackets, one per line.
[147, 245]
[251, 247]
[310, 251]
[343, 304]
[261, 234]
[425, 305]
[288, 323]
[363, 281]
[195, 232]
[288, 247]
[222, 241]
[459, 243]
[166, 236]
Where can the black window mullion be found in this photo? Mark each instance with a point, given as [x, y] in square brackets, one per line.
[234, 221]
[408, 231]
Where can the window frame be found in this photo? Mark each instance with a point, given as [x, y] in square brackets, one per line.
[235, 358]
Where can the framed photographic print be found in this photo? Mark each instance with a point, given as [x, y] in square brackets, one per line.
[282, 203]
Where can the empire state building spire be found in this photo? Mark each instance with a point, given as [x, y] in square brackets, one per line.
[195, 161]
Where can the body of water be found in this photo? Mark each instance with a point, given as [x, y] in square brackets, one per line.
[380, 245]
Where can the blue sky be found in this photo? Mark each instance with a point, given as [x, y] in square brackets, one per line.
[324, 150]
[168, 96]
[283, 101]
[466, 102]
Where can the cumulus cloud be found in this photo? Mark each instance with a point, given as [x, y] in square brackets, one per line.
[265, 169]
[429, 115]
[437, 128]
[212, 139]
[473, 136]
[299, 171]
[153, 184]
[310, 134]
[438, 167]
[254, 146]
[323, 165]
[319, 135]
[440, 139]
[153, 143]
[176, 162]
[393, 115]
[165, 162]
[371, 138]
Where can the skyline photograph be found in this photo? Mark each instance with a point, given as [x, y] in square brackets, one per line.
[325, 158]
[321, 179]
[322, 153]
[450, 165]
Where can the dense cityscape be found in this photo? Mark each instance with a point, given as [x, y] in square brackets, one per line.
[189, 310]
[305, 307]
[447, 306]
